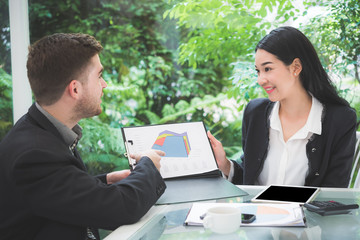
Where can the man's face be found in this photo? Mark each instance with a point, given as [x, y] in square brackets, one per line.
[93, 85]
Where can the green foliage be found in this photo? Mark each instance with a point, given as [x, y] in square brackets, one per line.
[179, 60]
[6, 117]
[224, 31]
[244, 87]
[337, 41]
[5, 36]
[102, 146]
[337, 37]
[145, 84]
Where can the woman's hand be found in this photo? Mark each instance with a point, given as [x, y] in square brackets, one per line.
[220, 155]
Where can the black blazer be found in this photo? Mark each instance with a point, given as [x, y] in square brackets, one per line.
[46, 193]
[330, 154]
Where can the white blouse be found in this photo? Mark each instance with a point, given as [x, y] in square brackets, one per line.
[286, 162]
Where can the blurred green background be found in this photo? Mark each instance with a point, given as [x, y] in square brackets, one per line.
[175, 61]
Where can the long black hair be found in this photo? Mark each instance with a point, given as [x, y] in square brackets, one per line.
[288, 43]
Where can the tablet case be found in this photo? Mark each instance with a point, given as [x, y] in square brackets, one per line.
[198, 189]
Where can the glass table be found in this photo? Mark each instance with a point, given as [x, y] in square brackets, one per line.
[167, 222]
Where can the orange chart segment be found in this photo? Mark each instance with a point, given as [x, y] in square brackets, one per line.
[173, 144]
[271, 210]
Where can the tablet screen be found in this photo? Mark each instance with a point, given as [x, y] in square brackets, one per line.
[279, 193]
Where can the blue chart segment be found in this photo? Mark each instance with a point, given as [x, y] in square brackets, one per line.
[173, 144]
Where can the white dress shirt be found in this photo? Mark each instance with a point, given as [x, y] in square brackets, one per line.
[286, 162]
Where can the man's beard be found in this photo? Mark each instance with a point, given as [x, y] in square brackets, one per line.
[87, 108]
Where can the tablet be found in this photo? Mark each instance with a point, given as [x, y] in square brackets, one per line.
[286, 194]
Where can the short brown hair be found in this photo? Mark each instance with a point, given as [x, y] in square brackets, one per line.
[55, 60]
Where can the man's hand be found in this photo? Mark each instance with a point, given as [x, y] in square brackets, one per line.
[220, 155]
[116, 176]
[154, 155]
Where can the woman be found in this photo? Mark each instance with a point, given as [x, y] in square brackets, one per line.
[304, 134]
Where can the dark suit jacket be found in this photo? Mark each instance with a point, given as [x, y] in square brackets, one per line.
[330, 154]
[45, 192]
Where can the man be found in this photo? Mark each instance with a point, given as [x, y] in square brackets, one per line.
[44, 188]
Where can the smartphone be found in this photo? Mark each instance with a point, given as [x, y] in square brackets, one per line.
[247, 218]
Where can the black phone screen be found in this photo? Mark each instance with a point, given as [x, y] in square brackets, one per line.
[247, 218]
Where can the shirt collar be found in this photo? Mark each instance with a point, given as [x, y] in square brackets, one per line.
[274, 117]
[70, 136]
[312, 125]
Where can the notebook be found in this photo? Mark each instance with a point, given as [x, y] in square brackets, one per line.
[267, 214]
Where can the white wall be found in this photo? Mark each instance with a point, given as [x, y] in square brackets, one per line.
[19, 39]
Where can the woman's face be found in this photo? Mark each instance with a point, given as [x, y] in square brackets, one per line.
[274, 76]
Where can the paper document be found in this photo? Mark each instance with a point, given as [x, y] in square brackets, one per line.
[186, 146]
[277, 215]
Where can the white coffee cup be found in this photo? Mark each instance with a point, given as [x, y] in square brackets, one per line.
[223, 219]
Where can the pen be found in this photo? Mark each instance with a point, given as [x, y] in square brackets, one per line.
[203, 216]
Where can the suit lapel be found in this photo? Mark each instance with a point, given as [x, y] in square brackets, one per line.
[42, 121]
[77, 155]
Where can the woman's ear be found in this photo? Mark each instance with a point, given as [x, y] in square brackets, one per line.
[296, 67]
